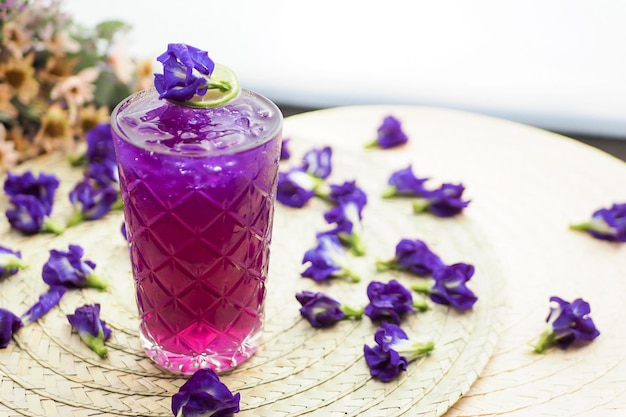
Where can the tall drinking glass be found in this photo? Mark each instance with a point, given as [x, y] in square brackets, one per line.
[199, 187]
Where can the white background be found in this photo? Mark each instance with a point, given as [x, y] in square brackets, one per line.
[554, 64]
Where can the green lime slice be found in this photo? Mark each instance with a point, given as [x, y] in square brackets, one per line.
[223, 87]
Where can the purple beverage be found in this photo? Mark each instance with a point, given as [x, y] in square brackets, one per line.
[199, 187]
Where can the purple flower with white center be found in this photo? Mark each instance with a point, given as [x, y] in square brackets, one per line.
[285, 154]
[295, 187]
[389, 301]
[45, 303]
[317, 162]
[70, 270]
[348, 192]
[204, 395]
[186, 73]
[100, 144]
[322, 310]
[414, 256]
[567, 323]
[449, 286]
[90, 202]
[9, 325]
[10, 262]
[328, 260]
[389, 134]
[606, 224]
[446, 201]
[404, 183]
[28, 215]
[91, 329]
[42, 187]
[393, 352]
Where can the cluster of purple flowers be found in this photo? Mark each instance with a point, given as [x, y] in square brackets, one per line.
[97, 193]
[299, 184]
[444, 201]
[31, 199]
[606, 224]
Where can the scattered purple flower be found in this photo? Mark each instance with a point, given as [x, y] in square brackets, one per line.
[10, 262]
[45, 303]
[414, 256]
[393, 352]
[389, 134]
[327, 260]
[204, 395]
[295, 187]
[42, 187]
[449, 286]
[446, 201]
[285, 154]
[91, 202]
[567, 323]
[70, 270]
[91, 329]
[9, 324]
[28, 215]
[404, 183]
[389, 301]
[317, 162]
[322, 310]
[606, 224]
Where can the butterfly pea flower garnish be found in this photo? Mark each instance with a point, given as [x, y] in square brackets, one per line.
[393, 352]
[318, 162]
[390, 301]
[189, 73]
[567, 323]
[285, 153]
[321, 310]
[404, 183]
[91, 202]
[70, 270]
[389, 134]
[606, 224]
[42, 187]
[414, 256]
[328, 260]
[9, 325]
[28, 215]
[205, 395]
[448, 286]
[91, 329]
[45, 303]
[445, 201]
[296, 187]
[10, 262]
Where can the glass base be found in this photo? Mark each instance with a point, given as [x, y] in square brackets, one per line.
[188, 364]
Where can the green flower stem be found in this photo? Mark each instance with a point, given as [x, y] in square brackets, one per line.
[372, 144]
[354, 242]
[546, 341]
[94, 281]
[118, 205]
[390, 265]
[77, 160]
[421, 305]
[349, 275]
[96, 343]
[9, 261]
[423, 287]
[412, 349]
[51, 227]
[390, 192]
[593, 225]
[420, 205]
[77, 217]
[352, 312]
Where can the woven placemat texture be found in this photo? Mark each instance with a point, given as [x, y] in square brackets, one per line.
[526, 185]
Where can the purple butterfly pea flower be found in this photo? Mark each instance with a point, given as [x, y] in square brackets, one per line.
[321, 310]
[91, 329]
[100, 144]
[446, 201]
[70, 270]
[317, 162]
[295, 187]
[348, 192]
[414, 256]
[328, 260]
[185, 72]
[393, 352]
[285, 154]
[389, 301]
[9, 325]
[606, 224]
[91, 202]
[10, 262]
[205, 395]
[28, 215]
[567, 323]
[42, 187]
[389, 134]
[449, 286]
[404, 183]
[45, 303]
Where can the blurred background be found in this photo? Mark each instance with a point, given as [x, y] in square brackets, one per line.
[557, 65]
